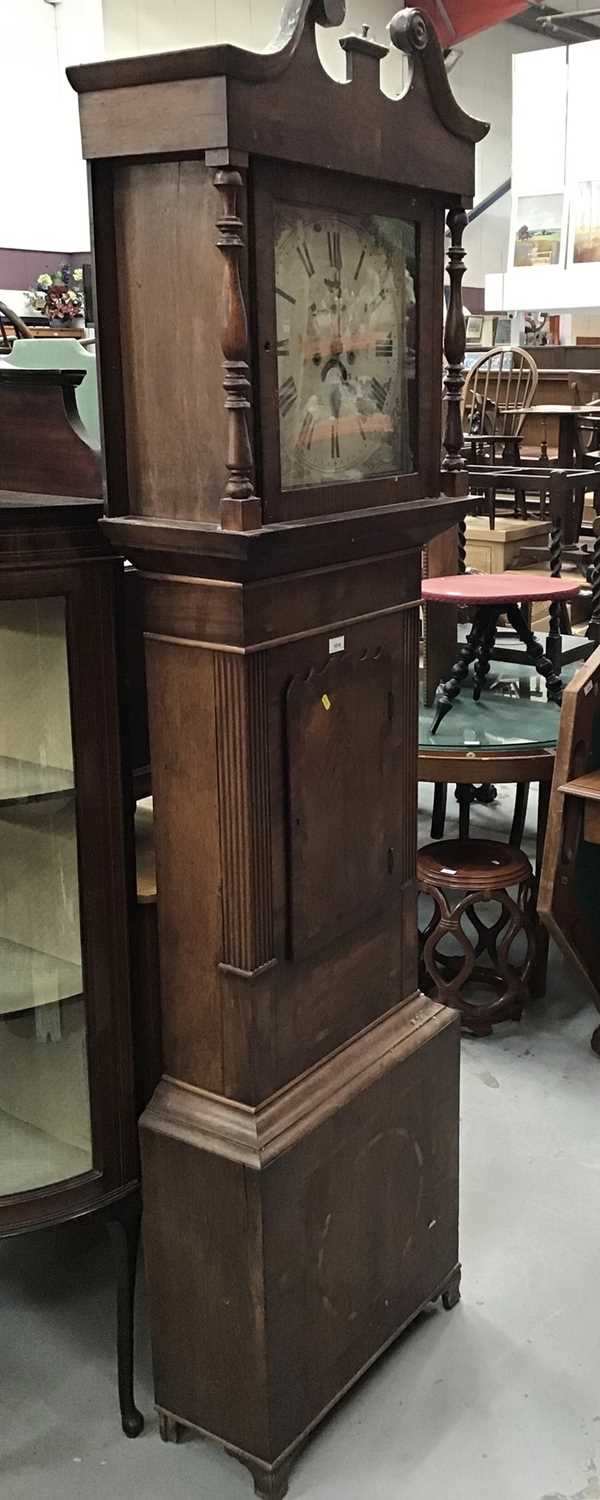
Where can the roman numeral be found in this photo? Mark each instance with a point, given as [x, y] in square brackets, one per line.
[379, 392]
[335, 249]
[305, 257]
[283, 347]
[359, 266]
[286, 295]
[287, 395]
[306, 433]
[335, 440]
[384, 348]
[381, 296]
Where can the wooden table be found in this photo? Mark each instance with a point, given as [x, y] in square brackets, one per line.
[500, 740]
[567, 417]
[556, 388]
[492, 595]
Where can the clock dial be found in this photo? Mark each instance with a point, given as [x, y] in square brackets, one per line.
[345, 308]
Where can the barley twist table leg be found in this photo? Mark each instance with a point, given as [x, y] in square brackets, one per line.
[553, 639]
[536, 653]
[447, 691]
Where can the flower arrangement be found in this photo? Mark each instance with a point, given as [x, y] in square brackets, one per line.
[58, 295]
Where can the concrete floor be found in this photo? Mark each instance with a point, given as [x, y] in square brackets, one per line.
[499, 1400]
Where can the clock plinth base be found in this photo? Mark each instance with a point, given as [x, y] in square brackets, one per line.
[289, 1244]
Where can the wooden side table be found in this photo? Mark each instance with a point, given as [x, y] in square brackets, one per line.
[493, 595]
[461, 878]
[502, 740]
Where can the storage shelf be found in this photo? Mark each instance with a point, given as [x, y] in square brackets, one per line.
[584, 786]
[24, 781]
[29, 978]
[31, 1158]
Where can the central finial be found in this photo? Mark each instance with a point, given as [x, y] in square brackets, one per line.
[365, 28]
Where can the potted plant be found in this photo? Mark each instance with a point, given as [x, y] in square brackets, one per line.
[58, 296]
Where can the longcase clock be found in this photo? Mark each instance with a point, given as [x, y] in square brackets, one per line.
[272, 426]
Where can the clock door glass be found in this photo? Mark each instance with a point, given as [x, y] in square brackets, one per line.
[346, 301]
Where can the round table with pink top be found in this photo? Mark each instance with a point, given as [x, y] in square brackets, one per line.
[493, 595]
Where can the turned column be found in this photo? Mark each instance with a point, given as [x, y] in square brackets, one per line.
[455, 339]
[447, 553]
[240, 507]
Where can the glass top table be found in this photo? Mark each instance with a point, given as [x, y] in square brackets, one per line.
[502, 721]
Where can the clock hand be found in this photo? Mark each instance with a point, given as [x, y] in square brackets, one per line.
[335, 400]
[335, 285]
[334, 364]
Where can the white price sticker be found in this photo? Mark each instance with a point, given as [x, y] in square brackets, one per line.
[336, 643]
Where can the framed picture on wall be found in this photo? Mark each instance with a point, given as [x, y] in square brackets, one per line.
[474, 330]
[537, 237]
[502, 330]
[584, 236]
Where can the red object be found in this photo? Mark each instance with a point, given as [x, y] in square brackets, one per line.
[498, 588]
[456, 19]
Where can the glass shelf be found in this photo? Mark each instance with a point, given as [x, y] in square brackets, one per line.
[512, 714]
[24, 781]
[31, 978]
[45, 1122]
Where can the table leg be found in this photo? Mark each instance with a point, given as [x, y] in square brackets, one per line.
[464, 797]
[540, 963]
[438, 814]
[567, 438]
[553, 639]
[594, 625]
[447, 691]
[520, 813]
[461, 537]
[536, 653]
[482, 660]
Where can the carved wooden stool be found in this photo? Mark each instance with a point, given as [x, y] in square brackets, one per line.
[479, 871]
[494, 594]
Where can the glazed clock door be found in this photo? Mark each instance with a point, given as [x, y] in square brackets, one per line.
[346, 282]
[345, 310]
[60, 1124]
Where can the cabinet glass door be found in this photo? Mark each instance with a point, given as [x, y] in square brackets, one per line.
[45, 1123]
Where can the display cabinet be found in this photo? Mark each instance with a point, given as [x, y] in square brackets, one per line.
[67, 1117]
[273, 449]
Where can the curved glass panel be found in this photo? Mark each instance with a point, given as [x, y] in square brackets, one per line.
[45, 1126]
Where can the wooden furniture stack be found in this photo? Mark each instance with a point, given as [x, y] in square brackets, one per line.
[272, 446]
[494, 549]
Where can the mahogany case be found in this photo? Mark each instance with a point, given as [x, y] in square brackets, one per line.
[300, 1152]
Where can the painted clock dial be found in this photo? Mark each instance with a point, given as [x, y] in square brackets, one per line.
[346, 316]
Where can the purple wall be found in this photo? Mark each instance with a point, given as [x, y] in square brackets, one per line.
[19, 268]
[473, 298]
